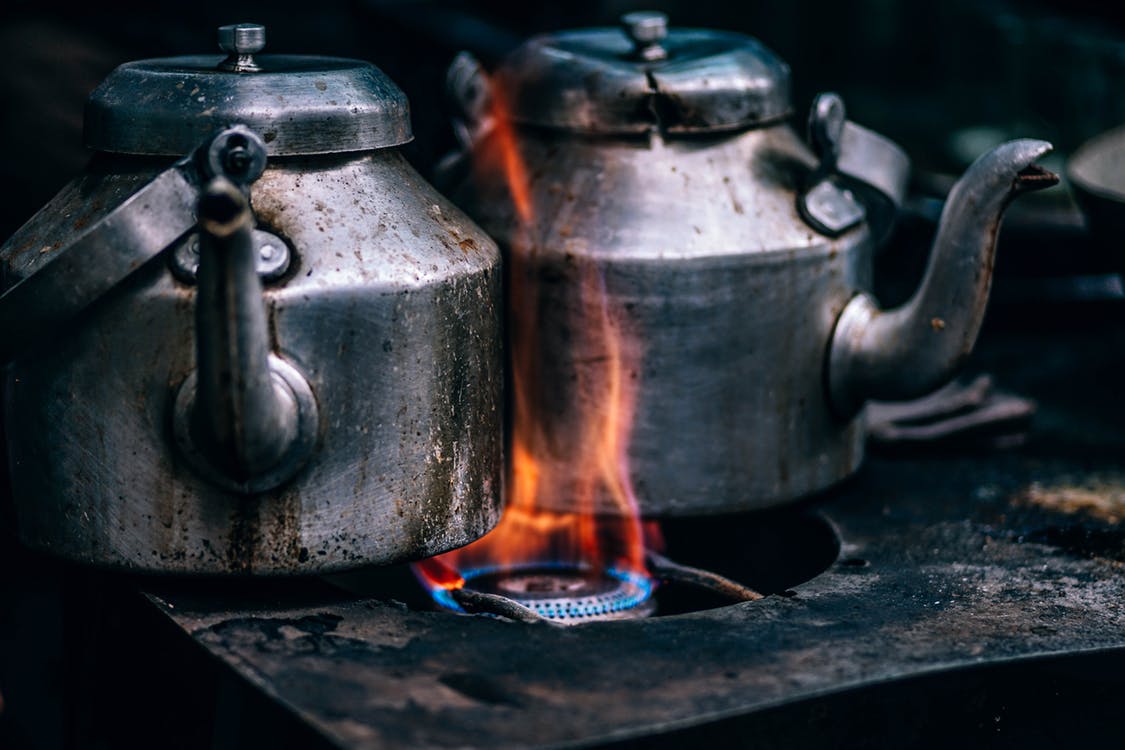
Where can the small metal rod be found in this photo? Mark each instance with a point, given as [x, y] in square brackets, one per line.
[477, 602]
[674, 572]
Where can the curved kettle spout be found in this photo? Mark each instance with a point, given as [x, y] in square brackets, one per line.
[911, 350]
[246, 418]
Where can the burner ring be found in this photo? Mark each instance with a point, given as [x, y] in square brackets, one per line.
[565, 593]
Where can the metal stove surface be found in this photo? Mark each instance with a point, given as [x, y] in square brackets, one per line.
[947, 562]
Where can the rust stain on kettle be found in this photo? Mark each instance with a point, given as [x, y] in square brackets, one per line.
[244, 538]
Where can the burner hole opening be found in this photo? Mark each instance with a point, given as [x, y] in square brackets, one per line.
[771, 552]
[768, 551]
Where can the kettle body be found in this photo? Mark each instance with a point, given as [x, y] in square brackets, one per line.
[735, 255]
[729, 294]
[387, 309]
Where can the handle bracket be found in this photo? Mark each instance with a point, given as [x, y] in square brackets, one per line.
[861, 175]
[145, 224]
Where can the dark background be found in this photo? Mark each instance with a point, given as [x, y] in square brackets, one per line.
[83, 664]
[945, 79]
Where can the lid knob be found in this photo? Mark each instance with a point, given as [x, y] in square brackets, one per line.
[240, 41]
[647, 29]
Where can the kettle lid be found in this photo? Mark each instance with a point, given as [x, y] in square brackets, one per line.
[299, 104]
[644, 76]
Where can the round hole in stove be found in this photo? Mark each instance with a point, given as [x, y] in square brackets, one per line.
[768, 551]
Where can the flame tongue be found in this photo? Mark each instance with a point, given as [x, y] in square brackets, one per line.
[593, 424]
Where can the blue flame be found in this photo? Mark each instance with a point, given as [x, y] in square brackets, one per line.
[637, 590]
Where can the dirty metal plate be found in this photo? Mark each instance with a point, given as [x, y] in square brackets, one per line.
[946, 562]
[910, 595]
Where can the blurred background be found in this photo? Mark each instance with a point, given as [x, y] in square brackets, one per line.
[946, 80]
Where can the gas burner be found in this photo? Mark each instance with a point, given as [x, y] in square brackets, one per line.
[560, 593]
[774, 551]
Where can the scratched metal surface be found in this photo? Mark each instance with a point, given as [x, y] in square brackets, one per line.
[969, 560]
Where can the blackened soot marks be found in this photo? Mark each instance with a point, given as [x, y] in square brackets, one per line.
[245, 628]
[244, 536]
[1081, 540]
[480, 688]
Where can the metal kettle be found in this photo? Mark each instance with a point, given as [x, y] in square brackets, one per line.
[280, 354]
[738, 251]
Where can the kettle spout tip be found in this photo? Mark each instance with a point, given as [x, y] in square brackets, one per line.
[1018, 159]
[1031, 148]
[1023, 155]
[1034, 178]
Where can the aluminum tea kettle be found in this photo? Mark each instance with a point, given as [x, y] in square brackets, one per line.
[740, 253]
[198, 386]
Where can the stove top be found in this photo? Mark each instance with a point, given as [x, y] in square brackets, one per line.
[922, 564]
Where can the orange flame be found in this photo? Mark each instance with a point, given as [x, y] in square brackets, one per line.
[507, 153]
[598, 416]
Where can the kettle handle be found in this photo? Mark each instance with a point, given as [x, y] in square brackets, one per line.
[469, 94]
[115, 246]
[878, 171]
